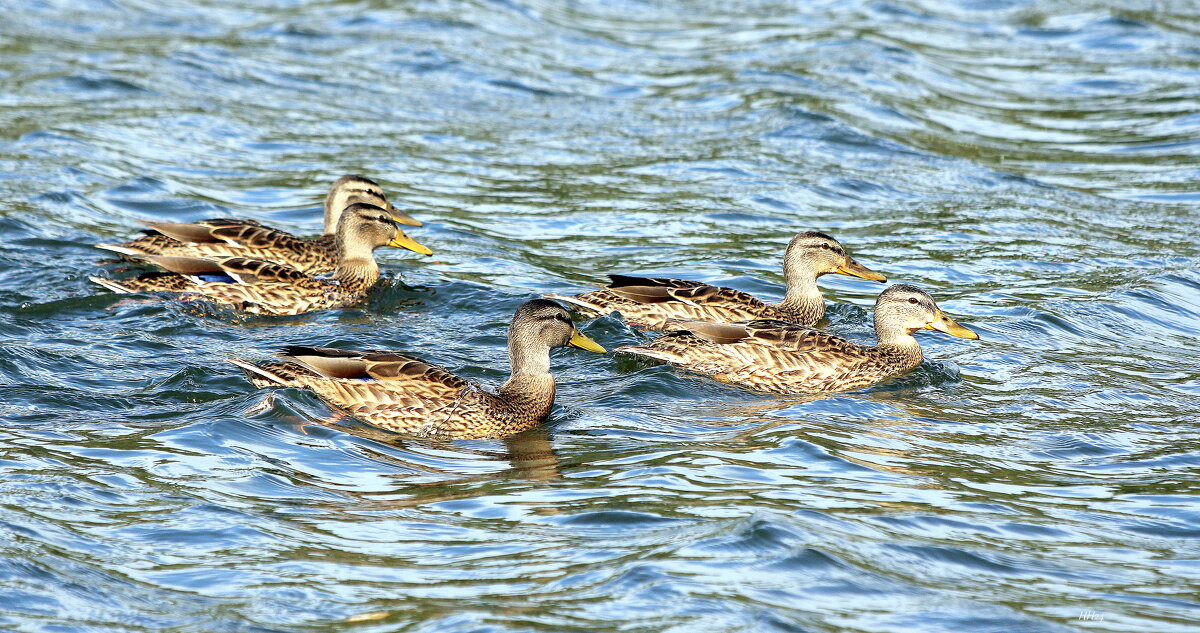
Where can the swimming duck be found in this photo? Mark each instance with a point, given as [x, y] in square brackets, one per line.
[779, 357]
[264, 287]
[405, 394]
[651, 302]
[224, 237]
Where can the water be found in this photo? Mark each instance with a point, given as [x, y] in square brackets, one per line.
[1032, 164]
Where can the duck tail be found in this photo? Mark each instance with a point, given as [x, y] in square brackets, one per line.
[114, 286]
[123, 250]
[257, 374]
[650, 352]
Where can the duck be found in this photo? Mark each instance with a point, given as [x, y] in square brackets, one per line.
[780, 357]
[224, 237]
[263, 287]
[404, 394]
[650, 302]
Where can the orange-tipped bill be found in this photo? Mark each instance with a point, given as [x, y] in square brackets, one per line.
[402, 240]
[945, 324]
[855, 269]
[580, 340]
[401, 217]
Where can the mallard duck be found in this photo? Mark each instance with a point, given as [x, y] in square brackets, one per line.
[264, 287]
[779, 357]
[651, 302]
[246, 238]
[407, 395]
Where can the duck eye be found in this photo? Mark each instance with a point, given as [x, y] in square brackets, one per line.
[912, 300]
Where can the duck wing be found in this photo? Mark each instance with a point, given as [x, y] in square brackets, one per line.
[240, 233]
[781, 335]
[241, 270]
[663, 289]
[391, 370]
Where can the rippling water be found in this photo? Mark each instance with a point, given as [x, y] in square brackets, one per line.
[1034, 164]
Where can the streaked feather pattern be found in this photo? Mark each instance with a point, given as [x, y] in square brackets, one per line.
[250, 285]
[222, 237]
[651, 302]
[265, 287]
[405, 394]
[780, 357]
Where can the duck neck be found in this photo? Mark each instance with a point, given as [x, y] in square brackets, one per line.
[897, 340]
[335, 201]
[331, 219]
[356, 269]
[528, 392]
[528, 358]
[530, 383]
[357, 274]
[803, 296]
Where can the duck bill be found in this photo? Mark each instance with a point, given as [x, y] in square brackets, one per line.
[578, 339]
[404, 241]
[945, 324]
[401, 217]
[855, 269]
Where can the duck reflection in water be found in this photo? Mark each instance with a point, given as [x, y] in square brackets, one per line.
[530, 454]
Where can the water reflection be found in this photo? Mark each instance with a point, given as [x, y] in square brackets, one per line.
[530, 455]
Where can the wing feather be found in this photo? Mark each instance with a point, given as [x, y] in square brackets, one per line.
[663, 289]
[392, 370]
[242, 269]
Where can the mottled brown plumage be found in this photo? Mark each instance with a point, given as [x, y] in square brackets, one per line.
[264, 287]
[250, 239]
[780, 357]
[651, 302]
[407, 395]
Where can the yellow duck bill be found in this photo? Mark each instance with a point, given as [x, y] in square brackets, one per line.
[404, 241]
[855, 269]
[945, 324]
[401, 217]
[580, 340]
